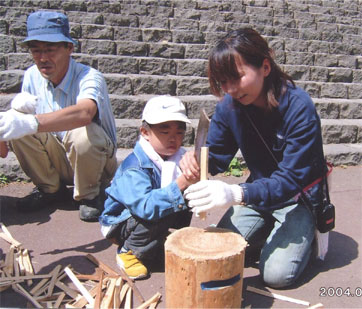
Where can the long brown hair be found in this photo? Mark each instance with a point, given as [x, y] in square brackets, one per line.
[254, 49]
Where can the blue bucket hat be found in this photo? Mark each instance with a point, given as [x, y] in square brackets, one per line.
[47, 26]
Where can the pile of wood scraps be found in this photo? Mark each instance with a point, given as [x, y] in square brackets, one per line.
[106, 288]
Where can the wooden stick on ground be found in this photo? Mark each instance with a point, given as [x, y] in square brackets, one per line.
[154, 299]
[277, 296]
[79, 286]
[107, 301]
[109, 270]
[98, 300]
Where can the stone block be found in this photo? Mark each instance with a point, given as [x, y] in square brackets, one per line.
[357, 76]
[167, 50]
[319, 74]
[11, 80]
[354, 91]
[336, 131]
[351, 109]
[7, 44]
[118, 84]
[191, 36]
[106, 7]
[197, 51]
[297, 72]
[191, 68]
[76, 17]
[127, 34]
[192, 86]
[297, 58]
[17, 61]
[131, 48]
[318, 47]
[128, 107]
[96, 47]
[183, 24]
[4, 27]
[151, 22]
[340, 75]
[3, 63]
[325, 60]
[156, 35]
[98, 32]
[313, 88]
[154, 66]
[117, 64]
[334, 90]
[147, 84]
[87, 60]
[295, 45]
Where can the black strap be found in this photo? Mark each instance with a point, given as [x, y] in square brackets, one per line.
[303, 195]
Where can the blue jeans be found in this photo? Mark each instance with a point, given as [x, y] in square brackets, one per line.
[285, 237]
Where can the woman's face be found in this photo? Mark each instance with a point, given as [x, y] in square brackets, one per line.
[248, 88]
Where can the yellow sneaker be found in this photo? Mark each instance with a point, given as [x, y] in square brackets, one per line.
[131, 265]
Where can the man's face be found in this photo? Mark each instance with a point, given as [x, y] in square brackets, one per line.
[52, 59]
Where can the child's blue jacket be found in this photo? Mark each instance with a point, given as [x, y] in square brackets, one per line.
[135, 190]
[292, 132]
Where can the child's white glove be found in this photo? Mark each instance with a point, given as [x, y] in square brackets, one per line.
[14, 125]
[25, 102]
[207, 194]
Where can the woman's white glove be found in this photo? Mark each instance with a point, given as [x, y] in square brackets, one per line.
[14, 125]
[207, 194]
[25, 102]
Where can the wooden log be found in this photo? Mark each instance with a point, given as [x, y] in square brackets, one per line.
[204, 268]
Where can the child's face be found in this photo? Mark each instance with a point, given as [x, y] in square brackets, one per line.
[166, 138]
[248, 88]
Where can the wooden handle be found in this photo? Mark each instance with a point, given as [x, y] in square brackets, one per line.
[204, 170]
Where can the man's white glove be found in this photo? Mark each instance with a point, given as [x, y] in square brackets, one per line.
[25, 102]
[14, 125]
[207, 194]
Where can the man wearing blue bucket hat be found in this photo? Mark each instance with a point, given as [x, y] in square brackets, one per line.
[61, 126]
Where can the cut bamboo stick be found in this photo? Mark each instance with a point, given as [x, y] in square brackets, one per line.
[98, 299]
[123, 292]
[18, 288]
[154, 299]
[69, 291]
[79, 286]
[277, 296]
[10, 237]
[59, 300]
[55, 274]
[109, 270]
[128, 303]
[117, 291]
[9, 261]
[107, 301]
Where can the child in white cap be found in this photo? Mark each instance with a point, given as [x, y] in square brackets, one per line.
[145, 198]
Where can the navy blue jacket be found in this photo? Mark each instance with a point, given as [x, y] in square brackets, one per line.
[292, 132]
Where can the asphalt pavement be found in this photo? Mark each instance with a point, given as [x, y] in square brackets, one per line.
[56, 236]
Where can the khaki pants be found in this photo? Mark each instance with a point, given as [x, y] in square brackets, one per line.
[86, 159]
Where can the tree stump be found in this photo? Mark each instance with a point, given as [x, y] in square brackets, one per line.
[204, 268]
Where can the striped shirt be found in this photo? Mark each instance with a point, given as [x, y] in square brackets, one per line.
[80, 82]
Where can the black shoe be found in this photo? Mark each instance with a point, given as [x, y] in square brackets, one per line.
[90, 210]
[38, 199]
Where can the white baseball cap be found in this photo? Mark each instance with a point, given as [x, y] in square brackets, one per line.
[164, 108]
